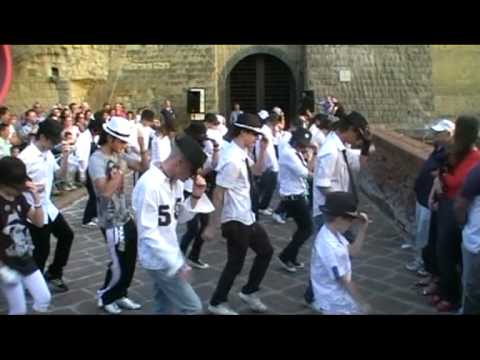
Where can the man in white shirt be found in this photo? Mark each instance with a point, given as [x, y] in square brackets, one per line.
[293, 175]
[41, 167]
[159, 205]
[144, 130]
[233, 202]
[267, 182]
[336, 162]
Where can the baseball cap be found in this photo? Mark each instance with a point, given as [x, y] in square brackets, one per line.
[443, 125]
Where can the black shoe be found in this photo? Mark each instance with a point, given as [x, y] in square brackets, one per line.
[56, 285]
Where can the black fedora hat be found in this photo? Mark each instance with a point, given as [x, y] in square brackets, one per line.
[191, 150]
[249, 122]
[301, 136]
[14, 172]
[340, 203]
[196, 130]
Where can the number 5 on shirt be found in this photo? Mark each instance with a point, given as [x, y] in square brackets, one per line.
[164, 217]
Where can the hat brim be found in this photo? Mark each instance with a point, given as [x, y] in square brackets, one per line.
[327, 211]
[439, 129]
[122, 137]
[251, 128]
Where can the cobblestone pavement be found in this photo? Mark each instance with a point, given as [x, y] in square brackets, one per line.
[379, 271]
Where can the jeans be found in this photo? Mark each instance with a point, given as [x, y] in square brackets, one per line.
[239, 238]
[318, 223]
[194, 229]
[174, 295]
[471, 282]
[300, 212]
[91, 207]
[41, 240]
[449, 239]
[266, 187]
[422, 228]
[122, 247]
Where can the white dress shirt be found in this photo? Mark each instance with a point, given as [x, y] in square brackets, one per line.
[232, 174]
[271, 162]
[161, 148]
[331, 170]
[41, 168]
[293, 172]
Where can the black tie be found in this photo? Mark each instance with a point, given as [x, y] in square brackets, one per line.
[353, 187]
[253, 194]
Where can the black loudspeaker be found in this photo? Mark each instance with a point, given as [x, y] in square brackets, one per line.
[193, 101]
[307, 100]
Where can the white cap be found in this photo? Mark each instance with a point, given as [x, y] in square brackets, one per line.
[119, 128]
[444, 125]
[263, 114]
[277, 111]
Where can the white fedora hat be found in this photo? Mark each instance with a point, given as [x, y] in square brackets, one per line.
[119, 128]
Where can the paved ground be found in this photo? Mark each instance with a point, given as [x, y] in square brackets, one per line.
[379, 271]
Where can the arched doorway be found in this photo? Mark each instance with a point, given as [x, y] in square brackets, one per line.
[261, 81]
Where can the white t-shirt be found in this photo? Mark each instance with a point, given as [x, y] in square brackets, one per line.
[232, 174]
[83, 148]
[161, 148]
[41, 168]
[271, 161]
[159, 205]
[147, 133]
[293, 172]
[331, 261]
[331, 169]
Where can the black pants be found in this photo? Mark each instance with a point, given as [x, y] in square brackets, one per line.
[280, 208]
[449, 255]
[300, 212]
[266, 187]
[429, 255]
[91, 207]
[194, 229]
[239, 238]
[122, 267]
[41, 240]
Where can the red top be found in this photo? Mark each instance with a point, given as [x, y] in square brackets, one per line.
[453, 181]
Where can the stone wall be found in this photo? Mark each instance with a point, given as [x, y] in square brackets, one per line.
[456, 79]
[80, 67]
[390, 175]
[389, 83]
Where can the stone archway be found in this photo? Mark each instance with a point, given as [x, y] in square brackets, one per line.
[275, 57]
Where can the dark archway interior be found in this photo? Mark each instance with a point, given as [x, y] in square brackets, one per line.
[261, 81]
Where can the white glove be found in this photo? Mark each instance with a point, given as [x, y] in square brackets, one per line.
[9, 276]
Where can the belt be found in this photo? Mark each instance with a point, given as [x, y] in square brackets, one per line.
[293, 197]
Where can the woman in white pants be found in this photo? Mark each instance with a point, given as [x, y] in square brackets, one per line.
[17, 267]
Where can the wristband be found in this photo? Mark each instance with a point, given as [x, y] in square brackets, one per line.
[37, 206]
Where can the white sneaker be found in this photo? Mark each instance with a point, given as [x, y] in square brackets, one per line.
[128, 304]
[90, 225]
[221, 309]
[406, 246]
[112, 309]
[267, 212]
[254, 302]
[198, 264]
[287, 266]
[277, 218]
